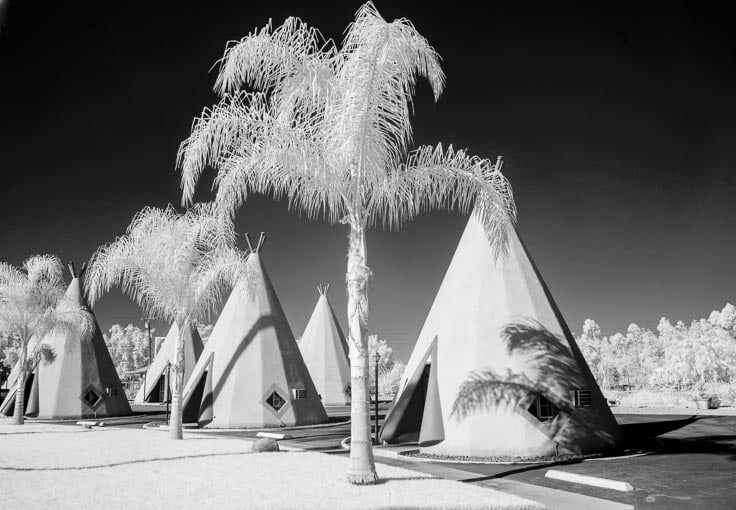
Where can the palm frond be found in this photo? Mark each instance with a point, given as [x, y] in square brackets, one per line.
[67, 318]
[257, 153]
[231, 127]
[11, 280]
[44, 268]
[437, 178]
[379, 65]
[32, 302]
[293, 54]
[218, 272]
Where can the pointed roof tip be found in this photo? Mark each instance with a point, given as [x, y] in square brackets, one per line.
[73, 271]
[259, 246]
[323, 288]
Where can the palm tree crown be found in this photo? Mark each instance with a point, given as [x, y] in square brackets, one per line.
[172, 265]
[330, 129]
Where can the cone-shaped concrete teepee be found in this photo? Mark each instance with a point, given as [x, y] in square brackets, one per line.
[325, 352]
[506, 374]
[82, 381]
[154, 386]
[251, 373]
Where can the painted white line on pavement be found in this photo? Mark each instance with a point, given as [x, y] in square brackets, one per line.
[273, 435]
[589, 480]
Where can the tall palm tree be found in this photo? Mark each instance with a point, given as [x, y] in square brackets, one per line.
[176, 267]
[330, 128]
[32, 305]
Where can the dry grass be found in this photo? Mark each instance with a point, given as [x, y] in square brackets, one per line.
[60, 467]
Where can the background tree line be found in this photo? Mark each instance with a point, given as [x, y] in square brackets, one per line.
[700, 358]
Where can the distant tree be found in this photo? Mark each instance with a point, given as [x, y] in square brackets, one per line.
[389, 384]
[676, 356]
[9, 352]
[390, 370]
[651, 356]
[725, 319]
[176, 267]
[128, 347]
[382, 349]
[33, 304]
[594, 347]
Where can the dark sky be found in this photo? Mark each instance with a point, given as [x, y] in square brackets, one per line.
[617, 125]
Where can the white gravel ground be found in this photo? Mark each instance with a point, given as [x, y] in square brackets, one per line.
[52, 466]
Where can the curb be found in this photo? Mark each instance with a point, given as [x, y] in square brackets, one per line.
[206, 430]
[595, 481]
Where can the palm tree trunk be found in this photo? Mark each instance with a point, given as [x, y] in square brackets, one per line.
[175, 425]
[362, 468]
[20, 392]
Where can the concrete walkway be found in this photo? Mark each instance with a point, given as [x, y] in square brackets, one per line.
[684, 411]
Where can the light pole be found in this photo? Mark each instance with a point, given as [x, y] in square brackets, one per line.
[378, 358]
[168, 392]
[147, 322]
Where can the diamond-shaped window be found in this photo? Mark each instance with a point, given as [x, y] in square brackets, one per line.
[348, 390]
[276, 401]
[92, 397]
[543, 410]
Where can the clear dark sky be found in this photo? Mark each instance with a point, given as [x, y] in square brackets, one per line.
[617, 124]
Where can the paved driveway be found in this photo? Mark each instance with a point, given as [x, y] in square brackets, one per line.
[693, 468]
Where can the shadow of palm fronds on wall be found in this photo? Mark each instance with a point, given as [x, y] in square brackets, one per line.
[551, 376]
[485, 390]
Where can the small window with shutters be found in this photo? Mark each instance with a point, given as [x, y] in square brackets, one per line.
[581, 398]
[299, 393]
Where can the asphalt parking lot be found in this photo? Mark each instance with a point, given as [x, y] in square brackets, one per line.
[693, 467]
